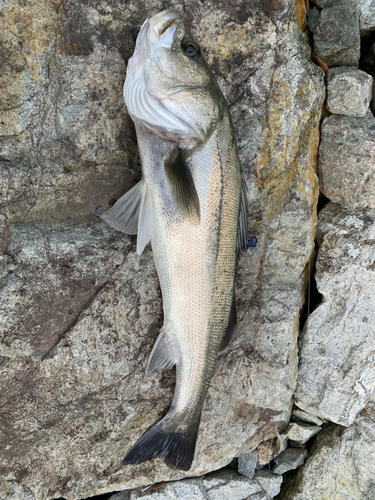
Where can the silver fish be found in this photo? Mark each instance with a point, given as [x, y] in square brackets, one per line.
[191, 204]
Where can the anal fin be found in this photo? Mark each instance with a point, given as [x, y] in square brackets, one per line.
[232, 325]
[160, 357]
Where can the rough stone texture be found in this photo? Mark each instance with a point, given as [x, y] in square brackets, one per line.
[366, 10]
[347, 160]
[337, 370]
[79, 309]
[349, 91]
[300, 433]
[307, 417]
[289, 459]
[226, 483]
[336, 34]
[247, 464]
[221, 485]
[366, 16]
[340, 465]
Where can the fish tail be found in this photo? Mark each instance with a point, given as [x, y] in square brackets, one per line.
[168, 441]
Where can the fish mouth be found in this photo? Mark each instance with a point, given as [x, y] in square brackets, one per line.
[162, 21]
[163, 26]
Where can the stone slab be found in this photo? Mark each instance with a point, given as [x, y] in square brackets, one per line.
[346, 160]
[337, 369]
[349, 91]
[336, 35]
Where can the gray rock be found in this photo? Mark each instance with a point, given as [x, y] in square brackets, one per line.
[337, 373]
[247, 464]
[307, 417]
[269, 482]
[300, 433]
[80, 310]
[289, 459]
[336, 34]
[340, 464]
[366, 13]
[312, 17]
[189, 489]
[366, 16]
[346, 160]
[225, 484]
[349, 91]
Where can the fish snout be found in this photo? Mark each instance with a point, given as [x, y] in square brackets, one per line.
[163, 25]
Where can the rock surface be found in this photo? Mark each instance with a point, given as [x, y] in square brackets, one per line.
[247, 464]
[220, 485]
[337, 371]
[340, 465]
[366, 10]
[300, 432]
[366, 16]
[336, 34]
[347, 160]
[79, 309]
[289, 459]
[349, 91]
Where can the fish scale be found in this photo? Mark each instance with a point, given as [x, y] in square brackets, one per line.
[188, 205]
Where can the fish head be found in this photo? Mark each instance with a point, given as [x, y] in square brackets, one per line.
[169, 86]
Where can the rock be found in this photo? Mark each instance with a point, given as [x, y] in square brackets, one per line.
[269, 482]
[337, 372]
[266, 451]
[225, 484]
[366, 10]
[220, 485]
[74, 381]
[347, 160]
[289, 459]
[336, 34]
[247, 464]
[366, 16]
[349, 91]
[312, 17]
[340, 465]
[300, 433]
[307, 417]
[189, 489]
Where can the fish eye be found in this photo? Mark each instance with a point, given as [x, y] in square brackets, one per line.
[191, 50]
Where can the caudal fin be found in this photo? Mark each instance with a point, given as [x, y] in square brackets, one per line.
[165, 440]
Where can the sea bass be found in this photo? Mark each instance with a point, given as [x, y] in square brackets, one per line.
[191, 204]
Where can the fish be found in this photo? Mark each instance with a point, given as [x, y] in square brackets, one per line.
[191, 205]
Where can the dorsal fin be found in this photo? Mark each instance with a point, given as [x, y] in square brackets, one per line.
[232, 325]
[242, 235]
[182, 188]
[160, 357]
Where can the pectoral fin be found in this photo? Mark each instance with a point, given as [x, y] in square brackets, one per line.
[131, 214]
[144, 220]
[160, 357]
[124, 214]
[182, 188]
